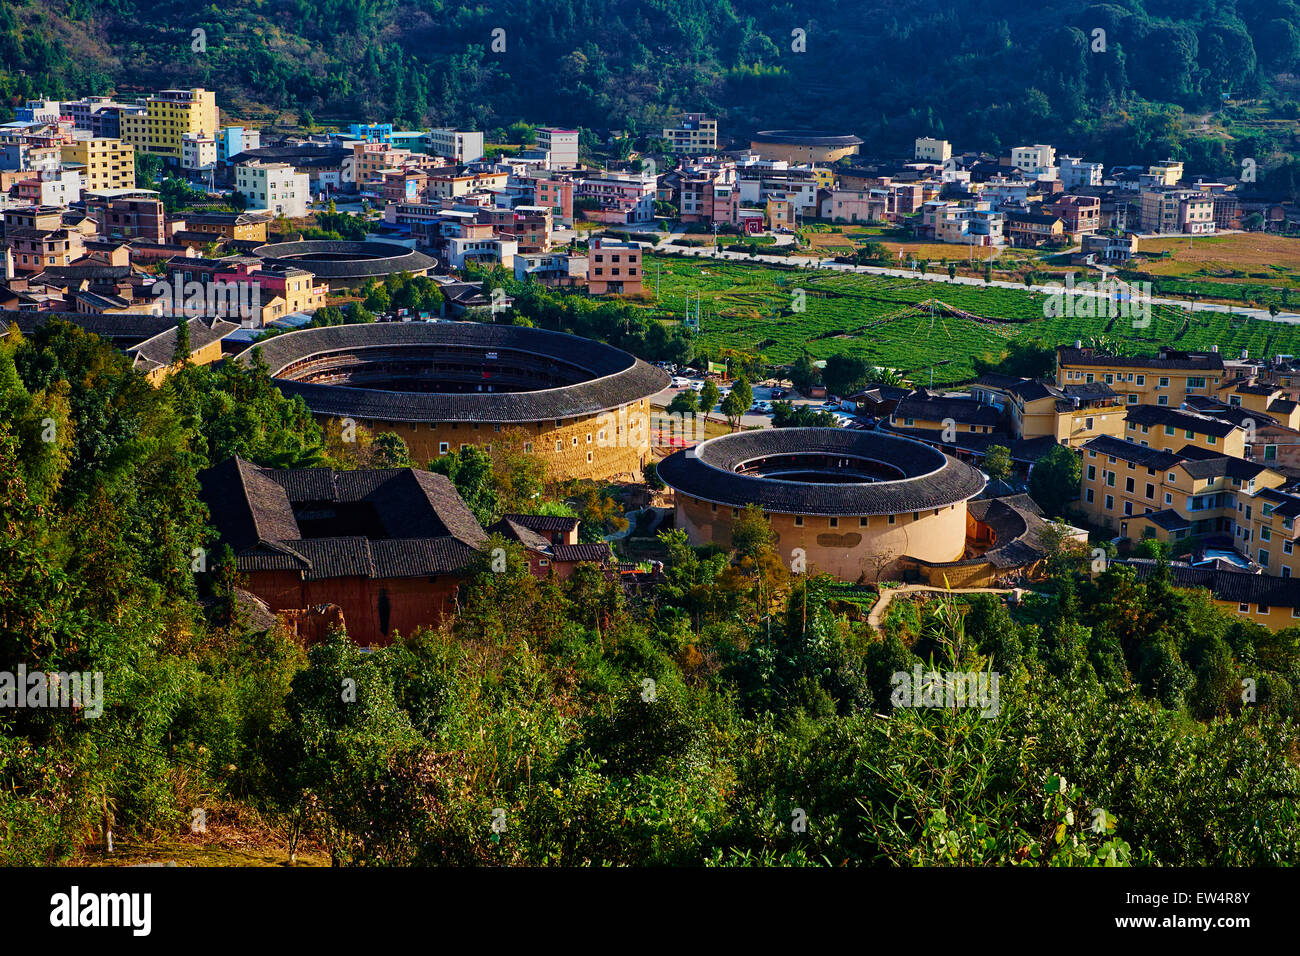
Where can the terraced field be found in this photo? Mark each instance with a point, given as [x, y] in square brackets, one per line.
[885, 320]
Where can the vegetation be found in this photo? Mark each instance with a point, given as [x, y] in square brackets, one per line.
[1205, 83]
[738, 715]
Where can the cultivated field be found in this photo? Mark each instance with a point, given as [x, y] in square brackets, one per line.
[889, 322]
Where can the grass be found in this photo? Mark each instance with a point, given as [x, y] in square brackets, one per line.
[751, 306]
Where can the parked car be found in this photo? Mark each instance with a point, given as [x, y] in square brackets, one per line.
[679, 382]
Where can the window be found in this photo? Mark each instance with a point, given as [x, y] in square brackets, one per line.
[1089, 496]
[1169, 430]
[1287, 547]
[1128, 507]
[1092, 472]
[1169, 499]
[442, 448]
[1110, 479]
[1164, 382]
[1243, 608]
[1132, 399]
[1263, 558]
[1266, 533]
[1162, 400]
[1151, 490]
[1263, 609]
[1141, 379]
[798, 521]
[1110, 502]
[559, 445]
[893, 519]
[1128, 485]
[835, 522]
[862, 522]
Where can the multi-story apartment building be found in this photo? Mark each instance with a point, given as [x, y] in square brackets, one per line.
[233, 140]
[1142, 491]
[100, 115]
[198, 152]
[929, 150]
[105, 163]
[613, 266]
[51, 187]
[1168, 172]
[1036, 161]
[1074, 172]
[694, 135]
[556, 269]
[796, 183]
[461, 145]
[1167, 378]
[128, 214]
[276, 187]
[968, 222]
[1169, 209]
[1172, 429]
[562, 144]
[710, 193]
[168, 116]
[1069, 416]
[34, 249]
[247, 226]
[618, 198]
[39, 111]
[1080, 215]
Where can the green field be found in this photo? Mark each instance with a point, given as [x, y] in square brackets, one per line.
[749, 306]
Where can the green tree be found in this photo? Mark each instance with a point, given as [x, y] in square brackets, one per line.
[1054, 479]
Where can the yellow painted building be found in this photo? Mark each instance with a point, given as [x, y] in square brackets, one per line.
[169, 115]
[1164, 379]
[1139, 491]
[1169, 429]
[107, 163]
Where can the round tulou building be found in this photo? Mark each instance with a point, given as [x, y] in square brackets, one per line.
[859, 504]
[444, 385]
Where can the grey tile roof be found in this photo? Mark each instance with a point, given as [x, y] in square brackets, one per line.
[1240, 587]
[160, 350]
[1018, 525]
[1174, 360]
[931, 479]
[617, 378]
[544, 522]
[354, 260]
[931, 407]
[429, 529]
[1131, 451]
[1163, 415]
[598, 552]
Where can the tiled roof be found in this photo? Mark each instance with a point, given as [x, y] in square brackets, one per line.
[598, 552]
[160, 350]
[1017, 525]
[930, 407]
[429, 529]
[1132, 451]
[1190, 421]
[1222, 466]
[617, 378]
[518, 532]
[1183, 361]
[545, 522]
[1240, 587]
[931, 479]
[1168, 519]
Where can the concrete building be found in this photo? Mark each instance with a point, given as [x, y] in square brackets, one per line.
[198, 152]
[276, 187]
[930, 150]
[1166, 209]
[562, 144]
[617, 198]
[694, 135]
[1075, 173]
[1036, 161]
[613, 266]
[461, 145]
[105, 163]
[168, 116]
[233, 140]
[1167, 378]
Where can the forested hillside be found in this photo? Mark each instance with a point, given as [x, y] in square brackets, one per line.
[981, 72]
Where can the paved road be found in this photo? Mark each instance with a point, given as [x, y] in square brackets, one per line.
[1290, 318]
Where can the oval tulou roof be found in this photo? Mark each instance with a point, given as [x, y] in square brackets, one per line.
[930, 478]
[617, 378]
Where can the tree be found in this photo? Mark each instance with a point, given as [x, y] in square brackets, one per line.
[651, 475]
[709, 395]
[997, 462]
[734, 408]
[1054, 479]
[803, 373]
[389, 451]
[845, 374]
[181, 354]
[684, 402]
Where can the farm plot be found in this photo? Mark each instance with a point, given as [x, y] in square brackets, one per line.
[890, 320]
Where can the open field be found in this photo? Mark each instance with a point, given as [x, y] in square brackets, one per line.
[1247, 257]
[887, 320]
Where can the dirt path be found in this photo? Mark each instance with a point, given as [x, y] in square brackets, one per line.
[887, 595]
